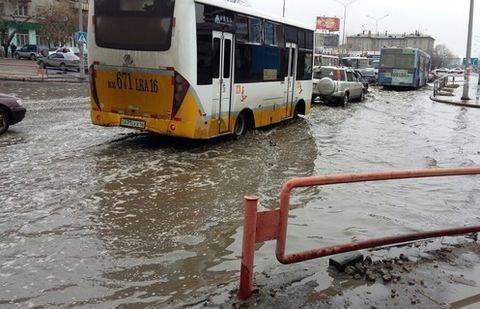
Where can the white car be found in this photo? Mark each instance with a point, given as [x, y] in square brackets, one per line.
[337, 85]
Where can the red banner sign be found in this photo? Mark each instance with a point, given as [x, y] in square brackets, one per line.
[328, 23]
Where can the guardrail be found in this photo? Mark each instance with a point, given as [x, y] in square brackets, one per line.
[442, 82]
[272, 225]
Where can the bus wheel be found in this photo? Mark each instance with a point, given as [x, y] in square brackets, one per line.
[240, 126]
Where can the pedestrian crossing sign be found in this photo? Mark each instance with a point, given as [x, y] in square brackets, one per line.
[81, 37]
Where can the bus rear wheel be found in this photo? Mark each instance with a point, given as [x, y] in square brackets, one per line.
[240, 126]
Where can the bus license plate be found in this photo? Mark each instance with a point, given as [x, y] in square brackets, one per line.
[131, 123]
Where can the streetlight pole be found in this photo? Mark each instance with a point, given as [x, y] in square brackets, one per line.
[284, 8]
[80, 43]
[377, 20]
[345, 6]
[466, 82]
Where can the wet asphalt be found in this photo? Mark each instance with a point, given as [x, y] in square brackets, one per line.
[104, 217]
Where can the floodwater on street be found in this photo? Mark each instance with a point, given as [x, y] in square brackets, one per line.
[105, 217]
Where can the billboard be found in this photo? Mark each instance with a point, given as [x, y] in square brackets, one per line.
[328, 23]
[326, 40]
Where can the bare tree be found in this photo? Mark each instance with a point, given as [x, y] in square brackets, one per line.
[442, 56]
[57, 21]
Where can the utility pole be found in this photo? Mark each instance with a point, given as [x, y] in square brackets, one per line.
[284, 8]
[377, 20]
[466, 82]
[80, 42]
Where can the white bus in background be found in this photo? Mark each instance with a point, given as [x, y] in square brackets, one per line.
[196, 69]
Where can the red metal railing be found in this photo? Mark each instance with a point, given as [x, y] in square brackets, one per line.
[271, 225]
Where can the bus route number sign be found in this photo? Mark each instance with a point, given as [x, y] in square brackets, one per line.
[126, 81]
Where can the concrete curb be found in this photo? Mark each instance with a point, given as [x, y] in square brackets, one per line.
[40, 80]
[451, 102]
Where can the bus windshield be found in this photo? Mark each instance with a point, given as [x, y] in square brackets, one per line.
[134, 24]
[398, 61]
[356, 63]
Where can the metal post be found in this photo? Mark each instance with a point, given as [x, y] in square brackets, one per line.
[248, 247]
[80, 44]
[284, 8]
[344, 26]
[466, 82]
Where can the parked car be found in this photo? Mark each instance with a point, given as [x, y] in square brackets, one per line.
[30, 51]
[337, 85]
[62, 61]
[11, 112]
[366, 80]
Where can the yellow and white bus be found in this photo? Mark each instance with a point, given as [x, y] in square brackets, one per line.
[195, 68]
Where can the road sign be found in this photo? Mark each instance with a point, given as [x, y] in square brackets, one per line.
[81, 37]
[474, 61]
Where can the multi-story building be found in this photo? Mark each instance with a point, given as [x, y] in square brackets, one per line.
[19, 17]
[368, 42]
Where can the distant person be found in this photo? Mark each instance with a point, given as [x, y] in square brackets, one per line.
[13, 48]
[5, 48]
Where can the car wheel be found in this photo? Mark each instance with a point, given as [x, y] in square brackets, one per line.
[17, 56]
[32, 57]
[240, 126]
[362, 96]
[345, 100]
[4, 122]
[62, 67]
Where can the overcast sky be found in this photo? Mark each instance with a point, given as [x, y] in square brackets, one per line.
[445, 20]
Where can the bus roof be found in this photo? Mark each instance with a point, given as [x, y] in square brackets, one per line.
[251, 12]
[355, 58]
[406, 48]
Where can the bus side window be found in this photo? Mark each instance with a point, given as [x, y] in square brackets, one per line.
[269, 31]
[280, 35]
[226, 59]
[204, 58]
[255, 27]
[291, 34]
[216, 58]
[309, 40]
[241, 32]
[301, 39]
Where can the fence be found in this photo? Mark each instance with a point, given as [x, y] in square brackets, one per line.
[272, 225]
[442, 82]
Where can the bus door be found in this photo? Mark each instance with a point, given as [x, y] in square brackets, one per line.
[222, 78]
[292, 53]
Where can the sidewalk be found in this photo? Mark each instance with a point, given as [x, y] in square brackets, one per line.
[455, 97]
[28, 71]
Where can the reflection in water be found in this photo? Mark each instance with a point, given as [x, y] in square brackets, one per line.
[172, 212]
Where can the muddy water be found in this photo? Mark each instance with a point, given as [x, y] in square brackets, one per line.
[106, 217]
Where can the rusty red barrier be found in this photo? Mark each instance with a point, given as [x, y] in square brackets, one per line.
[271, 225]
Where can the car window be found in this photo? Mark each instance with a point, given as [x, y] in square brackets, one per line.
[351, 77]
[327, 72]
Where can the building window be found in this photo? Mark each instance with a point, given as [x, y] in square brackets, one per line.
[2, 9]
[22, 10]
[22, 37]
